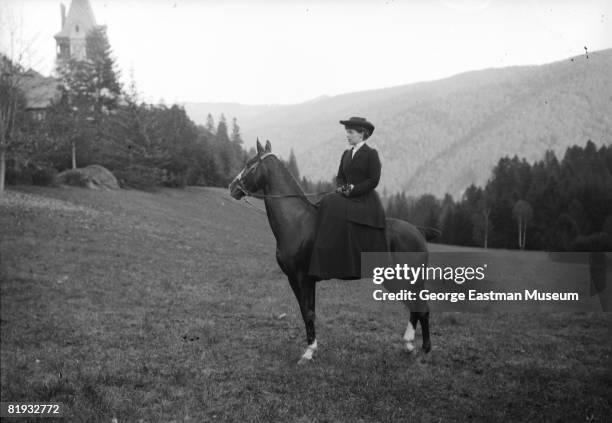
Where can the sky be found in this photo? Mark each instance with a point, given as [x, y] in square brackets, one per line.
[289, 51]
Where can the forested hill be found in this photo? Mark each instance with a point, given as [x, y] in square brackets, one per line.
[440, 136]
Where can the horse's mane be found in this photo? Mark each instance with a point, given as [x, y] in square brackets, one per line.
[294, 183]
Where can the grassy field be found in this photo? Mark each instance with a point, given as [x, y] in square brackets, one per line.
[170, 306]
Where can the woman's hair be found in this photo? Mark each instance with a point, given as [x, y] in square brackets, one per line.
[366, 134]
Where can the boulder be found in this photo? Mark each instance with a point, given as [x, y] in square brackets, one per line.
[92, 177]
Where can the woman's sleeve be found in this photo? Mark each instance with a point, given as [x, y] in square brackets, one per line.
[373, 178]
[341, 178]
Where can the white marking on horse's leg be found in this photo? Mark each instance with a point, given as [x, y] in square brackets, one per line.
[409, 334]
[310, 351]
[409, 337]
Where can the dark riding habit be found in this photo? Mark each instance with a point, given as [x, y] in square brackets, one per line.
[347, 226]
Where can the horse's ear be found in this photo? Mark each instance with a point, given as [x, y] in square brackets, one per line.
[260, 149]
[268, 146]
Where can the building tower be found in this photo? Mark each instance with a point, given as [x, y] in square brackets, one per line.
[75, 27]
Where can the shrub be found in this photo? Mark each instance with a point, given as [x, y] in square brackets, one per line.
[176, 180]
[598, 241]
[30, 174]
[140, 177]
[73, 177]
[45, 176]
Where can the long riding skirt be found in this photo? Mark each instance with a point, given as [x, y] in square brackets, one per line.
[339, 243]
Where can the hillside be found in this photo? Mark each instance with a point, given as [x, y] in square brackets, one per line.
[132, 306]
[440, 136]
[245, 113]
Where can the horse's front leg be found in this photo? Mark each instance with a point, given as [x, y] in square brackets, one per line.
[411, 331]
[419, 312]
[307, 307]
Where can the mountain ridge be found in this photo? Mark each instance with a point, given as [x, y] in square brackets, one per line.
[442, 135]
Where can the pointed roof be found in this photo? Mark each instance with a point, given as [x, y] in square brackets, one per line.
[80, 14]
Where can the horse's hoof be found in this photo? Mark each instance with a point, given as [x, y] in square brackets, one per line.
[427, 346]
[410, 348]
[303, 361]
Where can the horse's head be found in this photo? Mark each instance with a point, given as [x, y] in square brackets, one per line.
[252, 177]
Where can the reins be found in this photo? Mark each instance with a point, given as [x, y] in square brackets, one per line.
[264, 196]
[423, 229]
[259, 209]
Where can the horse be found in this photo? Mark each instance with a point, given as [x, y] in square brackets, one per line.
[292, 218]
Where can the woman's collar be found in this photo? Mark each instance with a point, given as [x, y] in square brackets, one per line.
[358, 145]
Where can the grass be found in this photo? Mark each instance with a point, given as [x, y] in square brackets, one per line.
[168, 307]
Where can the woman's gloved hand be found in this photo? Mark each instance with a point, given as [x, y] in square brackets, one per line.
[346, 189]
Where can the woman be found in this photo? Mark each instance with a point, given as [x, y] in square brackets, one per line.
[351, 220]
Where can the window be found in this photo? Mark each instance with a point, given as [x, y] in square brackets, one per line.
[39, 115]
[77, 28]
[63, 50]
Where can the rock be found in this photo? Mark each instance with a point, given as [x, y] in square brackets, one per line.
[92, 177]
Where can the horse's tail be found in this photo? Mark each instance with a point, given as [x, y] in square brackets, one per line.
[429, 233]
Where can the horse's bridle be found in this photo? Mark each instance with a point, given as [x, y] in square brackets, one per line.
[240, 184]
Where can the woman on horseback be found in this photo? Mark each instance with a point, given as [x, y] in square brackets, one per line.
[351, 220]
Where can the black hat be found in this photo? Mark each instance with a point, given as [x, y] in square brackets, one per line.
[358, 122]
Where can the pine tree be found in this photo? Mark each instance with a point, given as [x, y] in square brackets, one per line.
[239, 156]
[236, 138]
[89, 91]
[106, 84]
[210, 124]
[293, 167]
[224, 149]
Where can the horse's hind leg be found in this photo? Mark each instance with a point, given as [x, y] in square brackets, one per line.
[424, 319]
[421, 315]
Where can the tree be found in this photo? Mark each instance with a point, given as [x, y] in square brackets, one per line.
[483, 220]
[523, 213]
[90, 92]
[238, 154]
[224, 149]
[12, 110]
[425, 211]
[447, 220]
[105, 81]
[210, 124]
[479, 204]
[544, 195]
[509, 182]
[236, 138]
[77, 103]
[204, 170]
[398, 206]
[292, 166]
[607, 225]
[564, 232]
